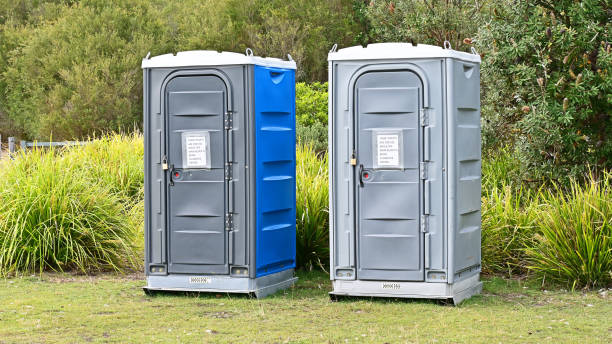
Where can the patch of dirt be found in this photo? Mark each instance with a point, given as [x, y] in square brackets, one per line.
[104, 313]
[220, 315]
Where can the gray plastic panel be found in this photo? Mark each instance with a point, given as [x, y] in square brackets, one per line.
[464, 169]
[196, 104]
[390, 245]
[197, 197]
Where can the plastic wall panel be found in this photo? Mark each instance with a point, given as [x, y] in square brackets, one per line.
[464, 107]
[274, 99]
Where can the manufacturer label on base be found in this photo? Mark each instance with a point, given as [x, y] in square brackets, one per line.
[199, 280]
[394, 286]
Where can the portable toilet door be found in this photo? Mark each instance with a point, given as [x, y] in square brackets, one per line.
[207, 176]
[399, 117]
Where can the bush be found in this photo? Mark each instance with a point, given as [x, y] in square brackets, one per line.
[574, 244]
[79, 74]
[547, 85]
[71, 68]
[312, 209]
[305, 29]
[55, 215]
[427, 22]
[311, 114]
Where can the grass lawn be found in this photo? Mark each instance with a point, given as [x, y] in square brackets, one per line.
[109, 308]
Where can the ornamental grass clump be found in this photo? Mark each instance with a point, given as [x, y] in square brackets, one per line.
[574, 243]
[312, 208]
[55, 214]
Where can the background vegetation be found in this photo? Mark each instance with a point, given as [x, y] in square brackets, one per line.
[71, 69]
[77, 208]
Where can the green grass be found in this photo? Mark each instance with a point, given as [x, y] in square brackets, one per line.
[73, 208]
[64, 308]
[574, 243]
[312, 209]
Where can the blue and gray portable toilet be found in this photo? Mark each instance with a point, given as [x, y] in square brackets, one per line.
[219, 172]
[404, 171]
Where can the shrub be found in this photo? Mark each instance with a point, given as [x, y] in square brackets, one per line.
[311, 107]
[574, 244]
[547, 84]
[305, 29]
[55, 215]
[79, 74]
[71, 68]
[428, 22]
[312, 209]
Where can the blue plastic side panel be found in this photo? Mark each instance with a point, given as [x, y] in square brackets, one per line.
[274, 169]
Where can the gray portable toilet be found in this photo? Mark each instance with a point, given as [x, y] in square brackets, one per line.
[404, 123]
[219, 133]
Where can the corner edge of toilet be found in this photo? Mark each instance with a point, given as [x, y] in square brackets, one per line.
[405, 160]
[219, 131]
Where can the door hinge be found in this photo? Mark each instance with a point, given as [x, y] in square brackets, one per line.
[228, 171]
[424, 117]
[229, 222]
[164, 163]
[423, 170]
[228, 121]
[424, 223]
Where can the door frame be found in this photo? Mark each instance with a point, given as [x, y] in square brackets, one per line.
[423, 104]
[165, 136]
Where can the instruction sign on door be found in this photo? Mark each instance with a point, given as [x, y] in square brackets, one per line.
[196, 149]
[386, 150]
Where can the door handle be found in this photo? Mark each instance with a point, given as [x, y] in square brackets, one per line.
[171, 172]
[361, 175]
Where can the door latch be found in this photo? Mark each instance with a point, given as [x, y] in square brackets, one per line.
[361, 175]
[171, 174]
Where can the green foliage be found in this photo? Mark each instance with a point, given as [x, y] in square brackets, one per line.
[56, 214]
[427, 22]
[311, 114]
[508, 227]
[563, 235]
[70, 69]
[115, 160]
[508, 215]
[305, 29]
[547, 84]
[79, 74]
[312, 204]
[574, 244]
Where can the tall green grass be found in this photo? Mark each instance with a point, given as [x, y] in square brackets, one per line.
[312, 208]
[508, 226]
[508, 217]
[574, 243]
[114, 159]
[563, 235]
[72, 208]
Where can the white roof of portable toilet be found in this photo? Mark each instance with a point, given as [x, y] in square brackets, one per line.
[378, 51]
[212, 58]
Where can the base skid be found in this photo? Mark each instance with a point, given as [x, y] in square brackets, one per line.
[259, 287]
[411, 290]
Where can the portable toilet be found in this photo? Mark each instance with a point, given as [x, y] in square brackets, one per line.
[404, 124]
[219, 131]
